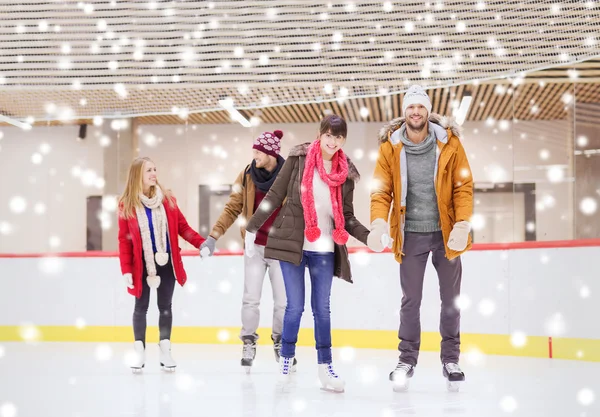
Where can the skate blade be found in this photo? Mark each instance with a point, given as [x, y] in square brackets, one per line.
[137, 370]
[453, 386]
[333, 390]
[168, 369]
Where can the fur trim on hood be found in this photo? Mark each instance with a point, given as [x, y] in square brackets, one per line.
[302, 150]
[444, 122]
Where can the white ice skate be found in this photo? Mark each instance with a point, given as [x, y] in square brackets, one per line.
[277, 351]
[330, 381]
[454, 376]
[166, 361]
[285, 369]
[140, 357]
[401, 376]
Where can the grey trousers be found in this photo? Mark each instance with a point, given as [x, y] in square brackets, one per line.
[412, 272]
[255, 269]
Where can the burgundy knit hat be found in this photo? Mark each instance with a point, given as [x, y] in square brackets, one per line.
[269, 143]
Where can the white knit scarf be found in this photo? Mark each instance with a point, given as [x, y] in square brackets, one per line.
[159, 223]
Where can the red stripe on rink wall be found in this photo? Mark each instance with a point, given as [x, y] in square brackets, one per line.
[581, 243]
[550, 347]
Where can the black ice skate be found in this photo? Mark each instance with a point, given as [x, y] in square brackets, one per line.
[400, 376]
[248, 354]
[454, 376]
[277, 351]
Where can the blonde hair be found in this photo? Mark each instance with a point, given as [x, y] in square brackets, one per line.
[130, 199]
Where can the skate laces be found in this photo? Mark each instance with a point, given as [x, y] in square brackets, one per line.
[285, 365]
[330, 371]
[248, 351]
[403, 367]
[452, 368]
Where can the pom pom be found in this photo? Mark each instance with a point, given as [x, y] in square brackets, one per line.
[153, 282]
[161, 258]
[340, 236]
[278, 133]
[312, 234]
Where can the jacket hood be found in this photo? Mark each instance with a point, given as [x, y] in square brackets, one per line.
[302, 150]
[437, 122]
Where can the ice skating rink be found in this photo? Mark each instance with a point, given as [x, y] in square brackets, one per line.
[529, 341]
[92, 380]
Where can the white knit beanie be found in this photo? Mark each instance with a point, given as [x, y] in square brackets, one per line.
[416, 95]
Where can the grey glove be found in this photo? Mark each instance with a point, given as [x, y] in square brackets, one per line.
[209, 244]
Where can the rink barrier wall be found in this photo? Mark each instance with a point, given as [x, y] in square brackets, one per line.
[526, 290]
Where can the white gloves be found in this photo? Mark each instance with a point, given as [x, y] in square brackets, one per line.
[379, 238]
[459, 236]
[128, 279]
[208, 247]
[250, 248]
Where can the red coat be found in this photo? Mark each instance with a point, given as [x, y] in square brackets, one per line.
[130, 246]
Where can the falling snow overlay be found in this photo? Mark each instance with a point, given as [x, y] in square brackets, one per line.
[87, 86]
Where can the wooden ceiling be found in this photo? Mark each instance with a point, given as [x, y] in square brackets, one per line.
[542, 95]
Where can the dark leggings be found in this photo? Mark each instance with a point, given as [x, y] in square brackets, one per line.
[164, 297]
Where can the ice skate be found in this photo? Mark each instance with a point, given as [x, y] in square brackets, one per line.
[140, 357]
[330, 381]
[285, 369]
[248, 354]
[277, 351]
[454, 376]
[166, 361]
[400, 376]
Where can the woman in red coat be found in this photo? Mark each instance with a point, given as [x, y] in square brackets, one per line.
[149, 225]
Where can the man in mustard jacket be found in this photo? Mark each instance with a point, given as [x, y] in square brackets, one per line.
[423, 175]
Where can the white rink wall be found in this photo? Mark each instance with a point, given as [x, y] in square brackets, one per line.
[541, 292]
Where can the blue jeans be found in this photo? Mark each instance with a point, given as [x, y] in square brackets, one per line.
[320, 268]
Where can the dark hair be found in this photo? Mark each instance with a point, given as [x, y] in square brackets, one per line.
[334, 124]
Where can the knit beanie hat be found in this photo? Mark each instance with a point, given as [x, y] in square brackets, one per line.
[416, 95]
[269, 143]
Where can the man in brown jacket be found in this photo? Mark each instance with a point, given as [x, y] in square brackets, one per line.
[249, 189]
[423, 175]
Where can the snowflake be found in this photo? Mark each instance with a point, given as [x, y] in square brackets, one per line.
[223, 335]
[103, 353]
[508, 404]
[225, 287]
[585, 397]
[51, 265]
[588, 206]
[518, 339]
[487, 307]
[347, 354]
[8, 410]
[18, 204]
[299, 405]
[462, 302]
[30, 333]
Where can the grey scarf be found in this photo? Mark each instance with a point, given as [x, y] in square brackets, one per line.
[417, 148]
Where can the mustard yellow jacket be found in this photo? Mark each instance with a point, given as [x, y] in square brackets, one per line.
[453, 181]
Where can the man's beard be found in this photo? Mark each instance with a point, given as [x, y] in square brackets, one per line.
[416, 127]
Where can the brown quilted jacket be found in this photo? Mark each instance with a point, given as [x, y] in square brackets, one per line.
[286, 239]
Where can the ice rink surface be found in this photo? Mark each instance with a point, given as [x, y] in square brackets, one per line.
[93, 380]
